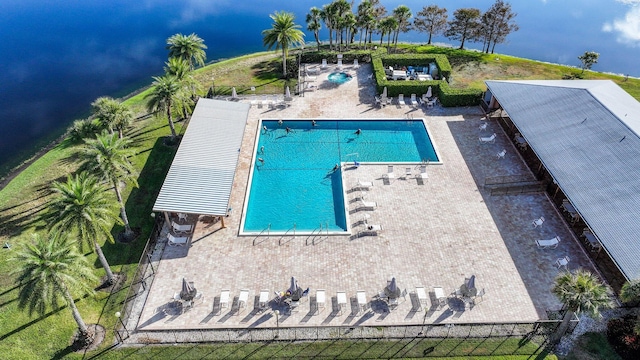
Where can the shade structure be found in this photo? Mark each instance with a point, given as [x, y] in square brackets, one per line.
[469, 287]
[384, 92]
[287, 93]
[294, 289]
[392, 290]
[429, 92]
[188, 290]
[234, 94]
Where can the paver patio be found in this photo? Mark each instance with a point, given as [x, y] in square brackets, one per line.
[436, 233]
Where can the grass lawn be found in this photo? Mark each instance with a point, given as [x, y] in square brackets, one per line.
[25, 336]
[496, 348]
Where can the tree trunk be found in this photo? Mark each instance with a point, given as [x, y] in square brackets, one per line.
[123, 212]
[120, 134]
[562, 329]
[170, 118]
[429, 42]
[284, 63]
[315, 33]
[105, 264]
[82, 327]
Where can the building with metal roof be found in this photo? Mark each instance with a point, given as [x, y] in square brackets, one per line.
[586, 134]
[201, 175]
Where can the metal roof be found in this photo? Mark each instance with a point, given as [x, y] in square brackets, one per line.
[201, 174]
[586, 134]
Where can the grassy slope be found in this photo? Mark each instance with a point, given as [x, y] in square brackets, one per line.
[24, 336]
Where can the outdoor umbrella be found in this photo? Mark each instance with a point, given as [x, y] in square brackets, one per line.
[234, 94]
[294, 289]
[287, 93]
[428, 95]
[471, 286]
[188, 290]
[392, 289]
[384, 92]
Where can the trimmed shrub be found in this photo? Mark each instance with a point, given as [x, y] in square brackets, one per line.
[623, 339]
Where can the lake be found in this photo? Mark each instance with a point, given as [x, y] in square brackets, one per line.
[59, 56]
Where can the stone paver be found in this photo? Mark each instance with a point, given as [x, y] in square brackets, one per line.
[436, 233]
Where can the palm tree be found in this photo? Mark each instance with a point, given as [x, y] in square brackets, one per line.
[81, 205]
[112, 114]
[402, 13]
[107, 157]
[187, 47]
[180, 69]
[313, 23]
[580, 292]
[49, 269]
[283, 34]
[387, 26]
[365, 18]
[165, 92]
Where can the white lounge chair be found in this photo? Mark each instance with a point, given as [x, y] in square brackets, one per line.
[310, 87]
[401, 100]
[439, 294]
[361, 296]
[224, 298]
[181, 228]
[538, 222]
[487, 139]
[408, 172]
[549, 243]
[370, 229]
[563, 262]
[368, 204]
[423, 172]
[265, 101]
[177, 241]
[422, 297]
[364, 184]
[263, 300]
[414, 100]
[501, 154]
[320, 299]
[324, 64]
[355, 64]
[390, 175]
[242, 300]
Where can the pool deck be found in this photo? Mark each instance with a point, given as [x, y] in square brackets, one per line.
[436, 233]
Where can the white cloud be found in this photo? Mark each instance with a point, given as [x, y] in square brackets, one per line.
[194, 10]
[627, 28]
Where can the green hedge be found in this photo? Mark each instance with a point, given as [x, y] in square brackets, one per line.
[448, 97]
[363, 56]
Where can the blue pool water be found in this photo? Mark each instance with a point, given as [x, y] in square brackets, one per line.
[339, 77]
[296, 184]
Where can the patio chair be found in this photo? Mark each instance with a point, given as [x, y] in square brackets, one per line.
[177, 241]
[182, 217]
[431, 103]
[390, 175]
[423, 172]
[224, 298]
[479, 295]
[538, 222]
[310, 87]
[439, 294]
[324, 64]
[408, 171]
[355, 64]
[181, 228]
[370, 229]
[563, 262]
[364, 184]
[487, 139]
[414, 100]
[320, 299]
[401, 100]
[422, 297]
[549, 243]
[378, 101]
[242, 300]
[501, 154]
[483, 126]
[368, 204]
[341, 298]
[361, 296]
[263, 300]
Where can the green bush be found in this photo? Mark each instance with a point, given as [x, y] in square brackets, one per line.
[623, 339]
[84, 129]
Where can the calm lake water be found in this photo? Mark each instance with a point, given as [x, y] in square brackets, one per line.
[59, 56]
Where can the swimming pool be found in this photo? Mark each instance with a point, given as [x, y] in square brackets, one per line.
[292, 181]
